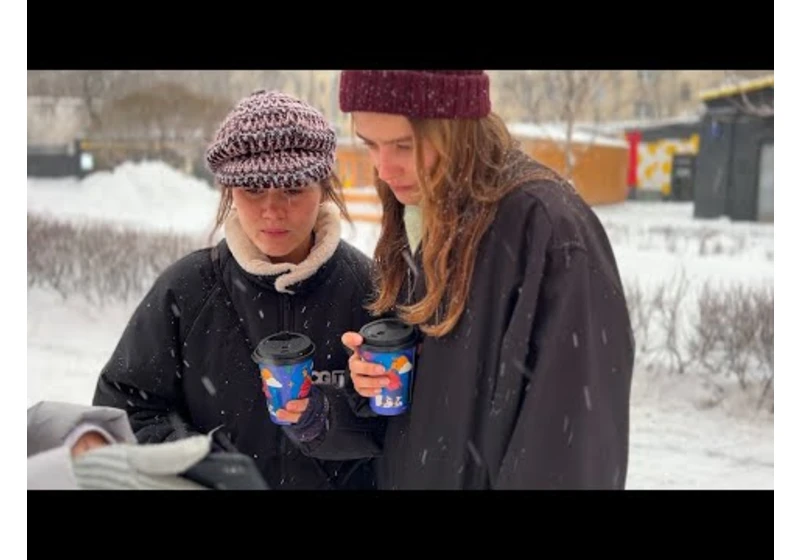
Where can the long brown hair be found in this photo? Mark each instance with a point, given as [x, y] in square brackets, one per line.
[459, 202]
[331, 190]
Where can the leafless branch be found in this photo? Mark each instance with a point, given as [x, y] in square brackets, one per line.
[566, 97]
[99, 261]
[749, 103]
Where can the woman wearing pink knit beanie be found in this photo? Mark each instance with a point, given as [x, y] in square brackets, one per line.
[183, 365]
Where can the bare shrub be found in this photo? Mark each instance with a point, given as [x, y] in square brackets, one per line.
[640, 310]
[720, 331]
[709, 329]
[734, 333]
[765, 341]
[99, 261]
[705, 241]
[667, 309]
[705, 236]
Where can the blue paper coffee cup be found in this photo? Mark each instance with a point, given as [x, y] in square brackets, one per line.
[285, 362]
[391, 343]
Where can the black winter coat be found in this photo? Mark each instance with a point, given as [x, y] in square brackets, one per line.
[183, 364]
[531, 389]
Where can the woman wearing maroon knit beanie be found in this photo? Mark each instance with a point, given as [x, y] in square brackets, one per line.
[524, 372]
[184, 364]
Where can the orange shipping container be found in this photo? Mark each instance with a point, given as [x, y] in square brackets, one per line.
[600, 163]
[599, 174]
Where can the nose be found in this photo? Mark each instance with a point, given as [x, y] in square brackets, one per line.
[274, 204]
[387, 165]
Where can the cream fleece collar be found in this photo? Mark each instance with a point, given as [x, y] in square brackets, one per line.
[327, 235]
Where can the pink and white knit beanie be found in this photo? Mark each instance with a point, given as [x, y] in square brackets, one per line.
[272, 139]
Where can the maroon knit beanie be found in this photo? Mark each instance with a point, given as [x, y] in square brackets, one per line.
[271, 139]
[436, 94]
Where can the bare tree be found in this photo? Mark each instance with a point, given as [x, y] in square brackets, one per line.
[655, 92]
[758, 103]
[304, 85]
[164, 119]
[244, 82]
[91, 86]
[521, 92]
[569, 97]
[94, 86]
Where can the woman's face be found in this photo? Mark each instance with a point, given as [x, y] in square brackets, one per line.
[279, 221]
[390, 140]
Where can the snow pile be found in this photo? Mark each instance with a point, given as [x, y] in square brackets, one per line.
[148, 195]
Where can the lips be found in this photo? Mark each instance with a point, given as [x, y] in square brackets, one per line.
[275, 231]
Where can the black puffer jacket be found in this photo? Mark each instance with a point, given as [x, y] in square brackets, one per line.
[183, 364]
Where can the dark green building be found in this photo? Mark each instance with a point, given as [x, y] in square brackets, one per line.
[733, 169]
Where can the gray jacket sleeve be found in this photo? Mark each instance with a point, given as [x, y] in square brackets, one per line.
[53, 427]
[51, 422]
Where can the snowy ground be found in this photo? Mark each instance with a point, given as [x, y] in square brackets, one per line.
[678, 439]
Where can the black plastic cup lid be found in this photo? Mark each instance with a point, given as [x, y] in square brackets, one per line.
[283, 348]
[387, 335]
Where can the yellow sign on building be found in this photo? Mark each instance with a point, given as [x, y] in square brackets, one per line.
[654, 161]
